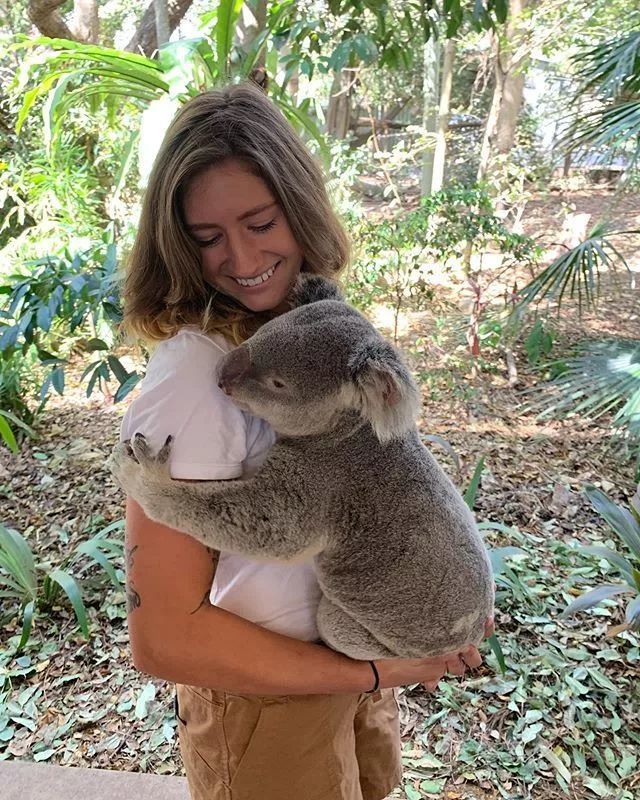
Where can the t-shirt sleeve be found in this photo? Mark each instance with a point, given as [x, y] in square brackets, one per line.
[179, 397]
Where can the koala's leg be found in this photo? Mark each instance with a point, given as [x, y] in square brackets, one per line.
[253, 517]
[343, 633]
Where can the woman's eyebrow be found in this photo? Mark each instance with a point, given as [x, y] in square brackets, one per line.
[246, 214]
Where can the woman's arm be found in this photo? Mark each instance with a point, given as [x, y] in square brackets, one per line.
[177, 635]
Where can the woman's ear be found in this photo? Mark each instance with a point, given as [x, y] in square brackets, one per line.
[384, 391]
[312, 288]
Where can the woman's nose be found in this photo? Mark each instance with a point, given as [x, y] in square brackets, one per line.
[245, 256]
[233, 368]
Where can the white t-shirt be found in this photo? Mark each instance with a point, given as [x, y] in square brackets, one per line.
[213, 439]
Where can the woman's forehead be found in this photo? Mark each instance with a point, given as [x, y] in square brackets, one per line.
[225, 193]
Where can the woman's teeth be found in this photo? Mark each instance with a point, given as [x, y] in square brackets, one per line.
[259, 279]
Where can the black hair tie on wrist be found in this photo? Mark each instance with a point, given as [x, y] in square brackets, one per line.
[377, 683]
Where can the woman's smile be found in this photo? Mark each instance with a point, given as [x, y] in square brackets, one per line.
[260, 280]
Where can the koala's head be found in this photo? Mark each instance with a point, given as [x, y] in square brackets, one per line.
[302, 370]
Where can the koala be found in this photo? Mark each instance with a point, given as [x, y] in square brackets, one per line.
[402, 568]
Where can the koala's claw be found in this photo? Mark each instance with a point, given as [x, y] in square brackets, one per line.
[165, 451]
[135, 467]
[158, 463]
[128, 449]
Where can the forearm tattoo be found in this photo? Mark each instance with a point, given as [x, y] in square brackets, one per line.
[133, 598]
[204, 601]
[215, 556]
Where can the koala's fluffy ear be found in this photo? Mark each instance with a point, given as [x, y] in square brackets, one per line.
[383, 390]
[311, 288]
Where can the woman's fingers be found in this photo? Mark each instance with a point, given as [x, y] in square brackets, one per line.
[471, 657]
[455, 665]
[489, 627]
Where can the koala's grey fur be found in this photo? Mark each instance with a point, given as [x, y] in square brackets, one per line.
[402, 568]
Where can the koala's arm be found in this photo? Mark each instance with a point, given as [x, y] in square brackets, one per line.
[263, 516]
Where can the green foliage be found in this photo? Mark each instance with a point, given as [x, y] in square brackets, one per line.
[611, 71]
[60, 297]
[625, 523]
[68, 74]
[399, 258]
[16, 383]
[604, 378]
[538, 342]
[386, 36]
[6, 430]
[35, 587]
[58, 187]
[577, 271]
[462, 216]
[390, 261]
[474, 483]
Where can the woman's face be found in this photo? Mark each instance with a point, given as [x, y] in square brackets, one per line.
[247, 248]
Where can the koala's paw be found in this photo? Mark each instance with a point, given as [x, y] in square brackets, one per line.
[136, 468]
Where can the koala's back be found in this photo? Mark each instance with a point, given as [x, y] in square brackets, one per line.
[405, 557]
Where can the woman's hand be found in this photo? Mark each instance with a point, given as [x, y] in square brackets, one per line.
[489, 627]
[455, 663]
[452, 664]
[429, 671]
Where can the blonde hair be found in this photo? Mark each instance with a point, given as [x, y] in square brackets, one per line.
[164, 288]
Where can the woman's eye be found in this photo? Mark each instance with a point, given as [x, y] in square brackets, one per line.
[208, 242]
[263, 228]
[257, 228]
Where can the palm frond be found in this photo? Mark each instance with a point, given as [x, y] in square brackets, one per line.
[611, 68]
[604, 378]
[84, 67]
[577, 271]
[613, 126]
[610, 74]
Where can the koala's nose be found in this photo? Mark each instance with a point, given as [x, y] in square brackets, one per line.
[233, 368]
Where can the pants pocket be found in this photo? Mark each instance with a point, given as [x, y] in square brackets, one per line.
[202, 743]
[176, 709]
[289, 753]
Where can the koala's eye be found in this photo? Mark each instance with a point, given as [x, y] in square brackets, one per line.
[277, 384]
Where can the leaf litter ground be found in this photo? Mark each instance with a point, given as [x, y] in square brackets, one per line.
[563, 721]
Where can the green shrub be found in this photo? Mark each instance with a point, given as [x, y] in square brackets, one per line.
[625, 523]
[59, 298]
[32, 587]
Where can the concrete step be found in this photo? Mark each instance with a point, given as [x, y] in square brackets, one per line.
[27, 780]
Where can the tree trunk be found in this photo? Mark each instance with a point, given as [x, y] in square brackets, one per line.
[251, 22]
[261, 21]
[430, 109]
[162, 21]
[44, 15]
[492, 117]
[86, 23]
[145, 40]
[512, 96]
[339, 111]
[509, 75]
[443, 115]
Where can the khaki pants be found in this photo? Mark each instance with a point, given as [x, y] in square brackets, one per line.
[289, 747]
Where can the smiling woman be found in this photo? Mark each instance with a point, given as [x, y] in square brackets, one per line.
[232, 195]
[235, 209]
[249, 254]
